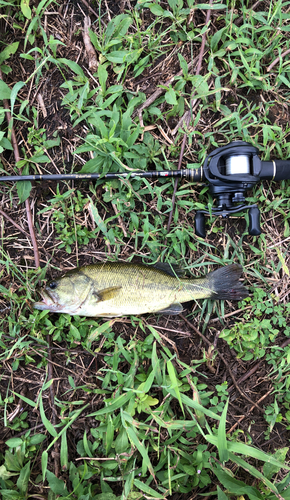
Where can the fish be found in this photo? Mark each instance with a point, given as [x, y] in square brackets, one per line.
[114, 289]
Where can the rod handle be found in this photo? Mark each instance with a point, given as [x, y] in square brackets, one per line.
[282, 170]
[276, 170]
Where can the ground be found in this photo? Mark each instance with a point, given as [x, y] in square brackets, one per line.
[230, 349]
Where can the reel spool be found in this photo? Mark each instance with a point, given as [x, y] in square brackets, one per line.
[237, 165]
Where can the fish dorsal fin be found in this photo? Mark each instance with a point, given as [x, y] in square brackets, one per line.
[107, 293]
[171, 269]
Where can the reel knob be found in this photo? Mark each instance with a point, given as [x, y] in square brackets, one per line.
[254, 221]
[199, 223]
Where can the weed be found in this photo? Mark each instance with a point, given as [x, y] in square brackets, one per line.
[66, 208]
[252, 338]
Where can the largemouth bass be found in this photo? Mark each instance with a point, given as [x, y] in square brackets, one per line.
[115, 289]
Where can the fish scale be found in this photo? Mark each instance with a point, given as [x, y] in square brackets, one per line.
[114, 289]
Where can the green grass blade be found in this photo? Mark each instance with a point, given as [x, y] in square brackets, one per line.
[248, 451]
[174, 382]
[47, 424]
[74, 417]
[156, 364]
[235, 486]
[221, 494]
[26, 400]
[222, 438]
[109, 434]
[116, 405]
[159, 339]
[253, 471]
[86, 445]
[146, 489]
[64, 452]
[147, 385]
[23, 479]
[193, 404]
[141, 448]
[44, 460]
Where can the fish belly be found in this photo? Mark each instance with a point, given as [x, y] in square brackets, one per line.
[129, 302]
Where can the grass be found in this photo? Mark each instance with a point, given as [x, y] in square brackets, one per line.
[138, 408]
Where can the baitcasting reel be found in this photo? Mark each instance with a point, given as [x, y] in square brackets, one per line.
[232, 170]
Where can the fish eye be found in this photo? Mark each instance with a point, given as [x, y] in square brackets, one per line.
[52, 285]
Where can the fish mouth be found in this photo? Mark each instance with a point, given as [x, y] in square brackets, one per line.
[48, 302]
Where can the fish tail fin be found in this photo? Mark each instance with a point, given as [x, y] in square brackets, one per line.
[225, 285]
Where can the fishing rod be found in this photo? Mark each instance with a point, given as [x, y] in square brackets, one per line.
[230, 171]
[189, 174]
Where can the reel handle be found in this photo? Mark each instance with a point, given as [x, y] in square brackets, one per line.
[254, 221]
[199, 224]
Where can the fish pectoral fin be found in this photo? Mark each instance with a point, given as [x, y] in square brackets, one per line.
[107, 293]
[172, 309]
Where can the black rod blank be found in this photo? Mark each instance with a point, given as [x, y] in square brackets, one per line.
[193, 175]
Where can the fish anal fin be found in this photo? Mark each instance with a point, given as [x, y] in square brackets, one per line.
[107, 293]
[172, 309]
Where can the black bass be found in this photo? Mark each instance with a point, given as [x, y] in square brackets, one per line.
[113, 289]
